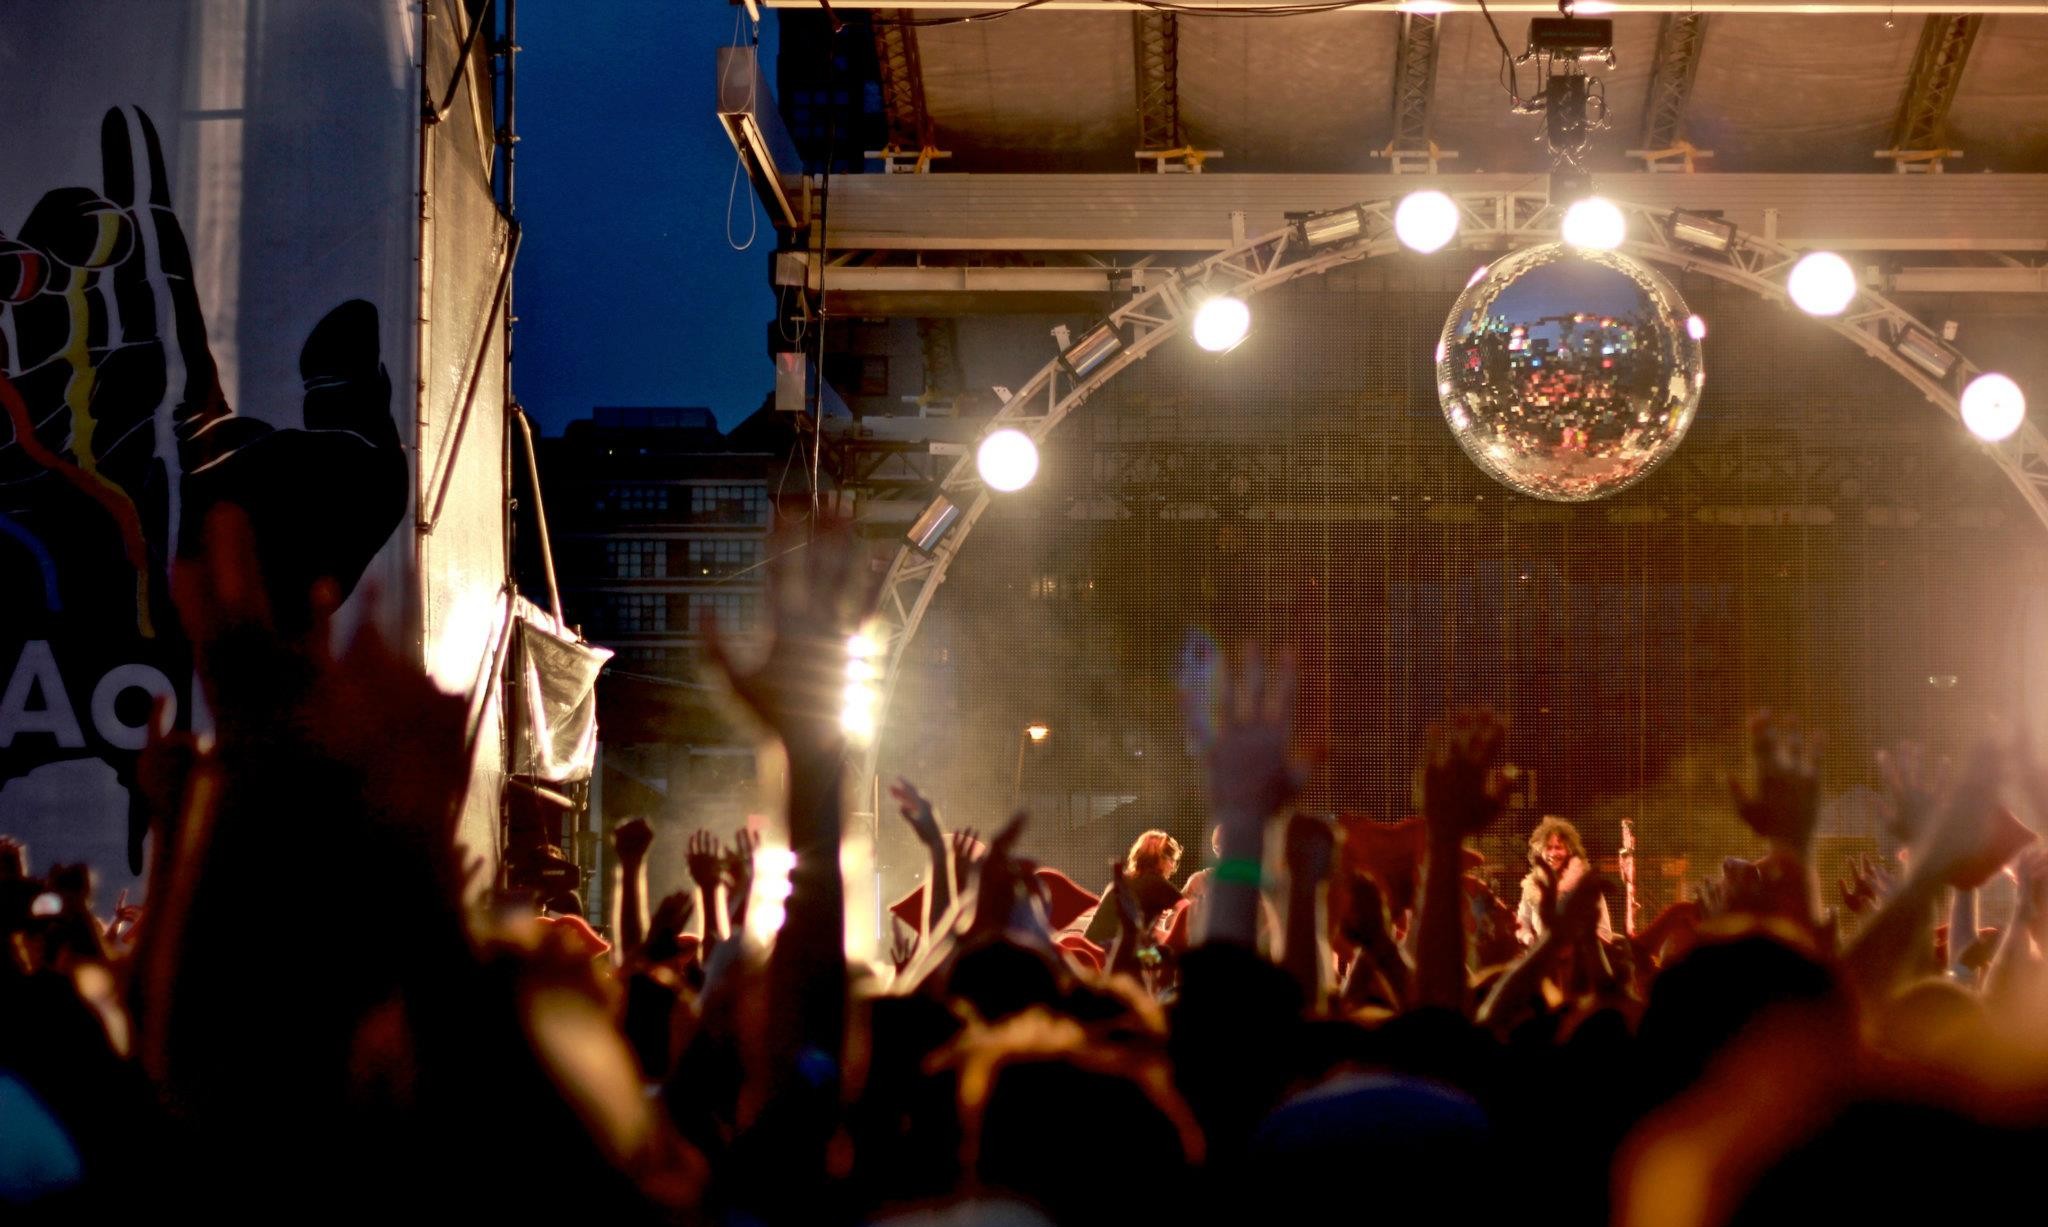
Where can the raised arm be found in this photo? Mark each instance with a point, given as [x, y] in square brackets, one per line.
[1305, 950]
[924, 824]
[1463, 793]
[1240, 725]
[813, 610]
[701, 859]
[631, 839]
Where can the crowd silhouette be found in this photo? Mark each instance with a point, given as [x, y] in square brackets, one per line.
[319, 1010]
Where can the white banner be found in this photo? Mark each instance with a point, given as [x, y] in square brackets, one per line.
[208, 292]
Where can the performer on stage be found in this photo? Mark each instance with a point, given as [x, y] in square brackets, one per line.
[1555, 843]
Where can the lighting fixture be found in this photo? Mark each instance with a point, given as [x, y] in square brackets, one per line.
[1993, 407]
[1335, 226]
[1007, 460]
[1925, 350]
[1695, 327]
[924, 535]
[1037, 731]
[1425, 221]
[1702, 231]
[1221, 323]
[1594, 223]
[1095, 345]
[1822, 283]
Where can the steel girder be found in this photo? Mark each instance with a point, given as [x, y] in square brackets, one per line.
[1415, 57]
[1678, 63]
[1155, 41]
[902, 81]
[1487, 219]
[1945, 41]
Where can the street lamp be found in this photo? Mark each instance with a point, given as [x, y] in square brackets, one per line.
[1030, 735]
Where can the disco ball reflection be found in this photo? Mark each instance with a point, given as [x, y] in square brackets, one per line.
[1568, 374]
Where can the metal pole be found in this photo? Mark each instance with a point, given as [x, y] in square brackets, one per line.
[540, 516]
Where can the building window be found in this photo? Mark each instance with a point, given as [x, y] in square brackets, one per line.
[734, 610]
[720, 557]
[729, 504]
[636, 559]
[638, 612]
[624, 496]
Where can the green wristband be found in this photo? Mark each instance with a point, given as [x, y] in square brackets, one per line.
[1240, 871]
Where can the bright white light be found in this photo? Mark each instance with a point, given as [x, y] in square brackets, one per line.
[857, 712]
[1425, 7]
[1594, 223]
[1007, 460]
[1473, 280]
[1425, 221]
[1822, 283]
[1993, 407]
[1695, 327]
[1220, 324]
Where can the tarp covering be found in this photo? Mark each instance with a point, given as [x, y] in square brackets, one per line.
[554, 730]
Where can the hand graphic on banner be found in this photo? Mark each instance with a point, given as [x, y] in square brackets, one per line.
[118, 439]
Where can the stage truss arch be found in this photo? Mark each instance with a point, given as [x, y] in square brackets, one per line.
[1487, 221]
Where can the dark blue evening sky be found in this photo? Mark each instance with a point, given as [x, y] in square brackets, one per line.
[627, 290]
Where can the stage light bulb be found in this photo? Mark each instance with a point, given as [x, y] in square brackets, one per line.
[1695, 327]
[1822, 283]
[1425, 221]
[1221, 323]
[1594, 223]
[1993, 407]
[1007, 460]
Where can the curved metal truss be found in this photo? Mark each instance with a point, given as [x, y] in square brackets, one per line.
[1497, 220]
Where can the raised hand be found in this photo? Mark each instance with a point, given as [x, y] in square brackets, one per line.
[816, 598]
[941, 884]
[967, 850]
[1783, 803]
[1241, 727]
[1240, 724]
[917, 811]
[700, 858]
[738, 867]
[631, 839]
[1913, 787]
[1463, 788]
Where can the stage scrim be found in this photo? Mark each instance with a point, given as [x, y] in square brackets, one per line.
[1825, 542]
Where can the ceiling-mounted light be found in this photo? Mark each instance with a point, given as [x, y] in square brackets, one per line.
[1822, 283]
[1221, 323]
[1702, 231]
[1993, 407]
[1335, 226]
[1425, 221]
[1925, 350]
[932, 525]
[1594, 223]
[1007, 460]
[1095, 345]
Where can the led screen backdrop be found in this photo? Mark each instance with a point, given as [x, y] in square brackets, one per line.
[1825, 542]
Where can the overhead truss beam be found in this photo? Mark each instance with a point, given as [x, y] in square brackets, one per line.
[902, 81]
[1415, 56]
[1922, 124]
[1488, 219]
[1678, 63]
[1155, 39]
